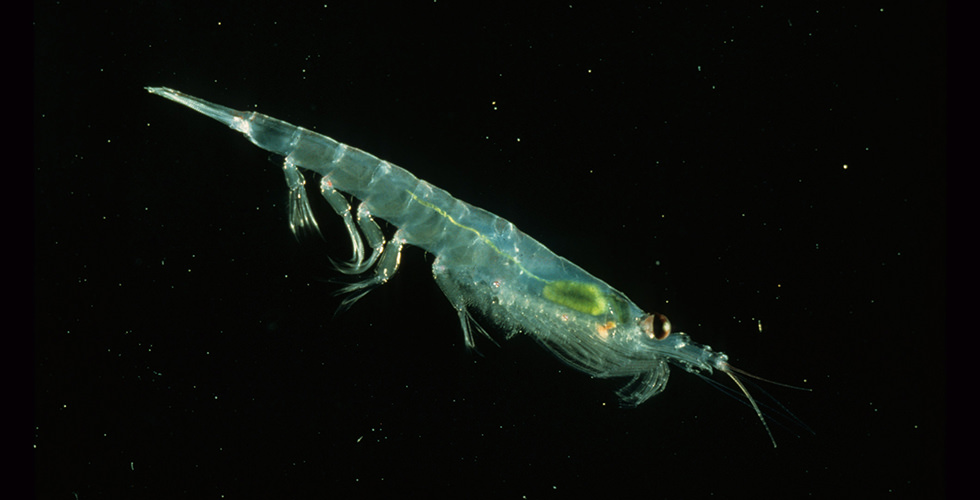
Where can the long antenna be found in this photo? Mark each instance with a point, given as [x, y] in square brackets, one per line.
[773, 382]
[745, 391]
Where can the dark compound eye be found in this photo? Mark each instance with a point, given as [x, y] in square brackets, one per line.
[656, 326]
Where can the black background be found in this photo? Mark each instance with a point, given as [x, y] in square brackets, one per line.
[691, 155]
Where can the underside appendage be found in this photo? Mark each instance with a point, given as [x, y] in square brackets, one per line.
[388, 263]
[375, 241]
[387, 256]
[644, 386]
[368, 227]
[300, 214]
[455, 296]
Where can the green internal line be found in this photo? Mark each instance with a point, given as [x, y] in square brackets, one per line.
[482, 237]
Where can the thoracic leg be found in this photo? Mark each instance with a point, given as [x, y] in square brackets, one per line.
[450, 288]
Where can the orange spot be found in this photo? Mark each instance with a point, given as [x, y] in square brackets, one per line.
[603, 330]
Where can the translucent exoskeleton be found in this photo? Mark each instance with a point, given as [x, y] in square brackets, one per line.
[482, 262]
